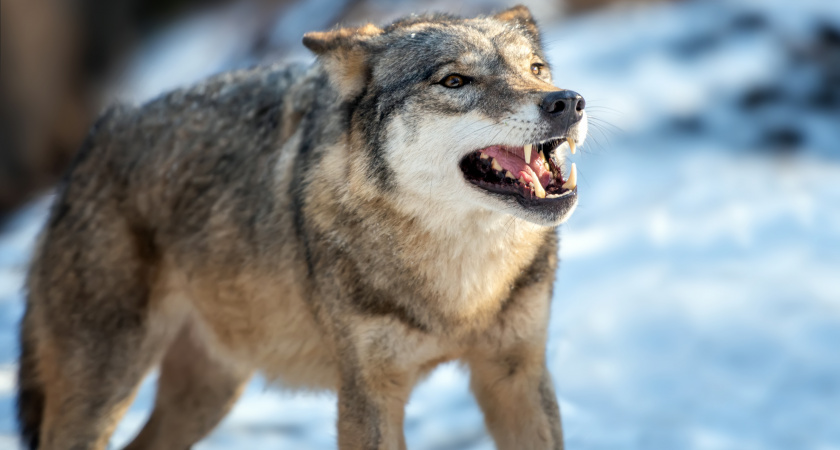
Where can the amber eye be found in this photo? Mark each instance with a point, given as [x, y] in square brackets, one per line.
[536, 68]
[454, 81]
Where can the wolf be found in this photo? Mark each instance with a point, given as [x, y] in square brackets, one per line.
[345, 226]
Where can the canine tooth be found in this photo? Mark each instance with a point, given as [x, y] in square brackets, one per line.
[571, 183]
[509, 175]
[539, 191]
[527, 149]
[495, 165]
[571, 144]
[484, 156]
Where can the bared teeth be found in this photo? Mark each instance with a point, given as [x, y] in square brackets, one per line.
[527, 149]
[571, 144]
[495, 165]
[545, 161]
[484, 156]
[539, 191]
[571, 183]
[509, 175]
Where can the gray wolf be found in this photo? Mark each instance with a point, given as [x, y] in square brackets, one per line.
[345, 226]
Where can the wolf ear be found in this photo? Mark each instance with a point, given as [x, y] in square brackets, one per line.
[344, 55]
[519, 15]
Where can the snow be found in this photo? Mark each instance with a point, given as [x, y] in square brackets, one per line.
[698, 302]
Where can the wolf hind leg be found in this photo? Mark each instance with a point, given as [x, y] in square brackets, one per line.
[93, 326]
[196, 389]
[87, 380]
[82, 410]
[30, 395]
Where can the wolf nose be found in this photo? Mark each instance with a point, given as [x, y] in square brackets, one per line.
[568, 104]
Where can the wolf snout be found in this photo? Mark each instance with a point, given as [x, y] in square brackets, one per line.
[563, 106]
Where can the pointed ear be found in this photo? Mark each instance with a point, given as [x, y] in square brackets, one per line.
[519, 15]
[344, 55]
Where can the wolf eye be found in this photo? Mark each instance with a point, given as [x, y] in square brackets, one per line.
[455, 81]
[536, 68]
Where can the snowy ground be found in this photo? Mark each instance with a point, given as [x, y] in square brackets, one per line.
[698, 301]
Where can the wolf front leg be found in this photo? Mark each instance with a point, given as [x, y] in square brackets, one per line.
[520, 408]
[509, 376]
[376, 380]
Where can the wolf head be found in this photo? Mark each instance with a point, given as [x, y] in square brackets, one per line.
[457, 115]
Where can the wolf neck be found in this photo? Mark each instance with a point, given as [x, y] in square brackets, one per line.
[476, 255]
[462, 263]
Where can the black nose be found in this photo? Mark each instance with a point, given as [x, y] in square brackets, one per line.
[567, 104]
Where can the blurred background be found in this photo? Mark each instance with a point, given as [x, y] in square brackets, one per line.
[698, 301]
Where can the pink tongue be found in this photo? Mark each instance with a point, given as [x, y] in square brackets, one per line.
[513, 160]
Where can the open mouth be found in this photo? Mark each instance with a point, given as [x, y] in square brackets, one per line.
[533, 173]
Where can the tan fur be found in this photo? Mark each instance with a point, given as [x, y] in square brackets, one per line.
[342, 53]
